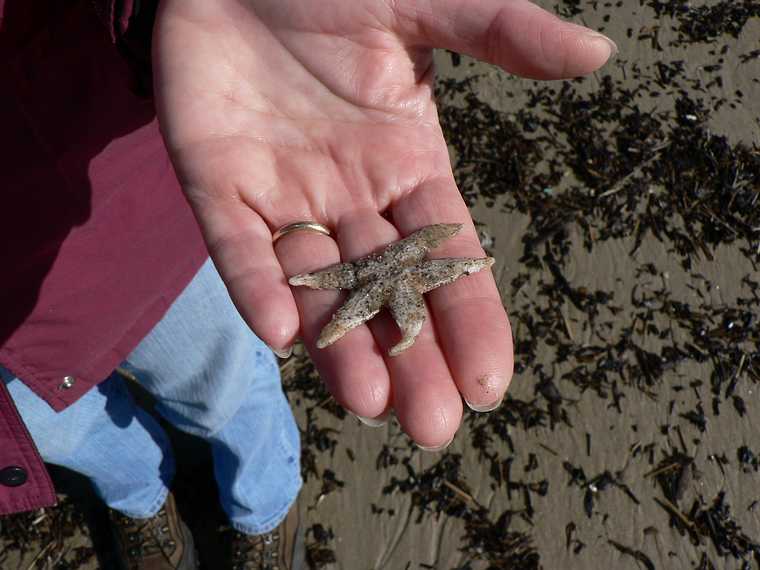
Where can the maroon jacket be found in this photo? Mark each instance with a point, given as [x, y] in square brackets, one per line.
[96, 239]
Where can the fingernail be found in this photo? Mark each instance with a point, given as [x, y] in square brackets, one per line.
[438, 448]
[379, 421]
[282, 352]
[596, 36]
[484, 407]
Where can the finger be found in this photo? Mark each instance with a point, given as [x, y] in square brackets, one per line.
[516, 35]
[469, 317]
[425, 398]
[352, 368]
[240, 244]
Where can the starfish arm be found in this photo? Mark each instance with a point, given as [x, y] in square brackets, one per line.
[436, 272]
[408, 309]
[363, 304]
[337, 276]
[413, 248]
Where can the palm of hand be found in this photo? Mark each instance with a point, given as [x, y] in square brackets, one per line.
[293, 130]
[276, 111]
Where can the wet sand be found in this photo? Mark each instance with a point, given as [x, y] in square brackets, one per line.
[572, 472]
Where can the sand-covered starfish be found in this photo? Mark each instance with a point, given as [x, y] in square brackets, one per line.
[397, 278]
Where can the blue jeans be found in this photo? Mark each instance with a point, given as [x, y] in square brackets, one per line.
[211, 377]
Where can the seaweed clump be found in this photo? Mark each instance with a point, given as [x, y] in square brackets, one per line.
[441, 490]
[702, 24]
[48, 532]
[716, 524]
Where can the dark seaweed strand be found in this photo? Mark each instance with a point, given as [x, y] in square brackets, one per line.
[638, 555]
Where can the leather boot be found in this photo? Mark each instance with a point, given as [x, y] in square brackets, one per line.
[162, 542]
[281, 549]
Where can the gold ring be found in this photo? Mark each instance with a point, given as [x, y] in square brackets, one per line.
[298, 226]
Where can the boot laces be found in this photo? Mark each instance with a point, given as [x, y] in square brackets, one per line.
[146, 537]
[256, 552]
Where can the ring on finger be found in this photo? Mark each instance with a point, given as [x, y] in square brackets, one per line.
[308, 226]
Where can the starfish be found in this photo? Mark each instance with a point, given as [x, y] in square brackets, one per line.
[397, 277]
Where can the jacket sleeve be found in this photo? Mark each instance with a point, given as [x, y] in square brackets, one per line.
[130, 26]
[116, 15]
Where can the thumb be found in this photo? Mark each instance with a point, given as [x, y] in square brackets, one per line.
[516, 35]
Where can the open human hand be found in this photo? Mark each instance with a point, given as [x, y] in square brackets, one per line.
[276, 111]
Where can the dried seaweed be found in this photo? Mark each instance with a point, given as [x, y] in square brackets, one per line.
[674, 474]
[441, 490]
[47, 533]
[593, 486]
[638, 555]
[748, 460]
[716, 524]
[622, 156]
[698, 24]
[319, 552]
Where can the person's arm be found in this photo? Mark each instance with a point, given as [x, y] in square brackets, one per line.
[276, 111]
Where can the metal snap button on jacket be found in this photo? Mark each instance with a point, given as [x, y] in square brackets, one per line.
[12, 476]
[68, 382]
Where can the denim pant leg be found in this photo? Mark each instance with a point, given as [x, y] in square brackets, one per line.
[214, 378]
[105, 437]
